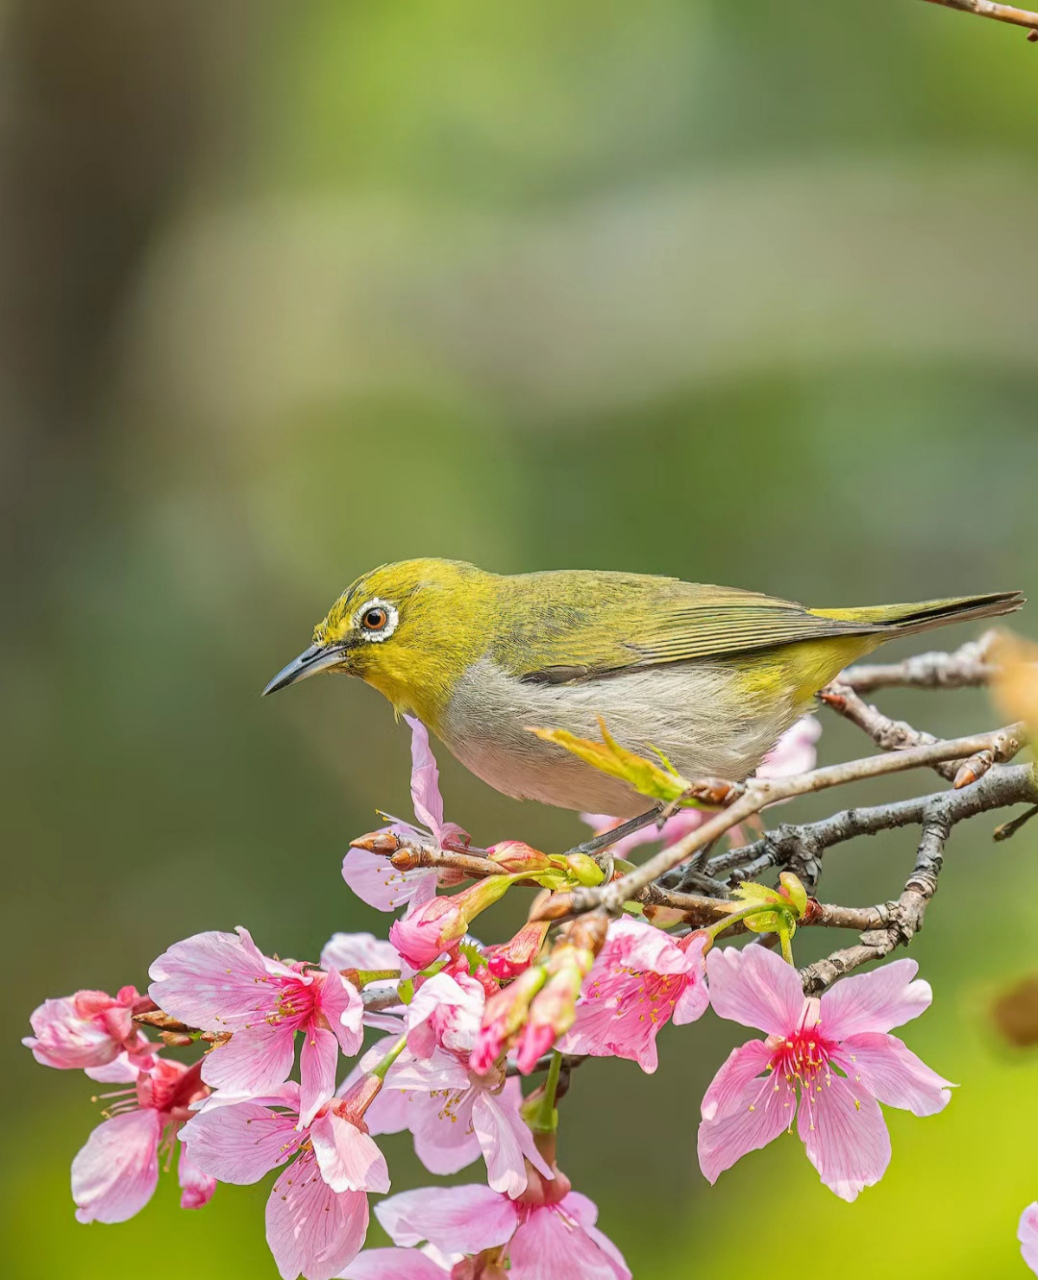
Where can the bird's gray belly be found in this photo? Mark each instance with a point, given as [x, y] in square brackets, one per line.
[697, 715]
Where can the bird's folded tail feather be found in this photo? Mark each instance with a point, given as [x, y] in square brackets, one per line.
[925, 615]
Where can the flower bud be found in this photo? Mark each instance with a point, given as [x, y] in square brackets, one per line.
[515, 856]
[793, 889]
[509, 959]
[439, 924]
[383, 842]
[503, 1015]
[553, 1011]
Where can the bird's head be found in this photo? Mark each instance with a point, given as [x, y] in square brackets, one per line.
[409, 629]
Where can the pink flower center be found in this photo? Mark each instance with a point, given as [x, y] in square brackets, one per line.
[452, 1099]
[295, 1002]
[803, 1057]
[652, 996]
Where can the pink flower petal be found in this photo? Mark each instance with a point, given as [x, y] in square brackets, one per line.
[505, 1140]
[465, 1219]
[892, 1073]
[441, 1072]
[550, 1246]
[694, 1000]
[342, 1006]
[444, 1138]
[445, 1011]
[427, 930]
[389, 1113]
[64, 1038]
[196, 1187]
[633, 944]
[875, 1001]
[385, 1021]
[1027, 1234]
[377, 882]
[349, 1159]
[425, 780]
[317, 1062]
[580, 1208]
[393, 1264]
[254, 1060]
[311, 1229]
[729, 1087]
[755, 987]
[845, 1135]
[114, 1175]
[240, 1142]
[359, 951]
[216, 981]
[741, 1111]
[121, 1070]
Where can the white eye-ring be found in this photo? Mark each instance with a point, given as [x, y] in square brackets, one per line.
[376, 620]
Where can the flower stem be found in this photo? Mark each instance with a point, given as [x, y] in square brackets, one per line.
[546, 1117]
[787, 945]
[383, 1066]
[364, 976]
[734, 917]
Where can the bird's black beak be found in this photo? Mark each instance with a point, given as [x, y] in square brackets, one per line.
[310, 661]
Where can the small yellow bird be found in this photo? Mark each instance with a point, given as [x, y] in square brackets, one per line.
[710, 676]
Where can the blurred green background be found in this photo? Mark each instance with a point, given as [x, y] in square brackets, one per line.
[740, 292]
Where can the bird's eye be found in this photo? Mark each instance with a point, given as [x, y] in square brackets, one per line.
[374, 619]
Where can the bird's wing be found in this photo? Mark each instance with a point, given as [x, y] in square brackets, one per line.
[578, 626]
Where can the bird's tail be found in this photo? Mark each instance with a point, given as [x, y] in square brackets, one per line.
[910, 619]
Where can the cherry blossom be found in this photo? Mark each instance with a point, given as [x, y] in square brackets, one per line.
[220, 982]
[835, 1053]
[455, 1114]
[115, 1174]
[439, 925]
[550, 1233]
[317, 1212]
[641, 980]
[90, 1031]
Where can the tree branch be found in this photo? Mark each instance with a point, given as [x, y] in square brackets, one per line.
[966, 667]
[891, 735]
[761, 792]
[998, 12]
[906, 915]
[793, 843]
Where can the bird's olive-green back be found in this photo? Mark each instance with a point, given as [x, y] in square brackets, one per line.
[577, 624]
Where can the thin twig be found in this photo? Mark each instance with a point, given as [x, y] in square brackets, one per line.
[998, 12]
[891, 735]
[906, 915]
[1009, 829]
[965, 667]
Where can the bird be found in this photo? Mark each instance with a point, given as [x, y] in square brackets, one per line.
[708, 676]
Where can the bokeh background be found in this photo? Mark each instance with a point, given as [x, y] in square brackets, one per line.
[738, 292]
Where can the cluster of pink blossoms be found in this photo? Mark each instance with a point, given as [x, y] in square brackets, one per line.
[464, 1023]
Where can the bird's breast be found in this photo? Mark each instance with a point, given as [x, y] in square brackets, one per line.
[703, 717]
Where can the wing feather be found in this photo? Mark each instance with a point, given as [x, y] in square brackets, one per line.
[578, 626]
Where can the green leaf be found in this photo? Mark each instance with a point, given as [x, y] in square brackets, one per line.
[643, 775]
